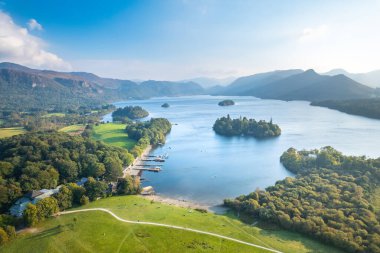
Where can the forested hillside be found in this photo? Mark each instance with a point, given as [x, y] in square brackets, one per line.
[364, 107]
[25, 89]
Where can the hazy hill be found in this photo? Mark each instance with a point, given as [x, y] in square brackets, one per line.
[25, 88]
[21, 90]
[306, 85]
[207, 82]
[371, 79]
[243, 84]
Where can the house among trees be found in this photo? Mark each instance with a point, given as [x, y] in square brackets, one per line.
[82, 181]
[32, 197]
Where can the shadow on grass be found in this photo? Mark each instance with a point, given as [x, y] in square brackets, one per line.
[52, 231]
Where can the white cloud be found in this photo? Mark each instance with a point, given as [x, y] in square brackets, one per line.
[311, 34]
[19, 46]
[34, 25]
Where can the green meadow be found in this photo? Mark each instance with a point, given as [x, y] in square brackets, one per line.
[73, 129]
[10, 131]
[113, 134]
[55, 114]
[97, 231]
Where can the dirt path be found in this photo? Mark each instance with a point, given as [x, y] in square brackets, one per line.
[170, 226]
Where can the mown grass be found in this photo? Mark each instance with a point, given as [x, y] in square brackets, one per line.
[113, 134]
[11, 131]
[138, 208]
[100, 232]
[56, 114]
[73, 129]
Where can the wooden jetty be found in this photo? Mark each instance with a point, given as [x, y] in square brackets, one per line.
[153, 169]
[160, 160]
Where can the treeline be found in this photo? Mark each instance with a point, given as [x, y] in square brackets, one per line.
[246, 127]
[363, 107]
[47, 159]
[129, 113]
[329, 199]
[73, 195]
[44, 120]
[152, 132]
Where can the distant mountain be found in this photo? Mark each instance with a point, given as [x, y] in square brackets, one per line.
[23, 88]
[313, 87]
[371, 79]
[243, 84]
[207, 82]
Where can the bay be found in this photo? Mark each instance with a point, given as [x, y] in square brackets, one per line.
[206, 168]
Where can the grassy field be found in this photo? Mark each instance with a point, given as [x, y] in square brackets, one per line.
[8, 132]
[73, 129]
[100, 232]
[113, 134]
[56, 114]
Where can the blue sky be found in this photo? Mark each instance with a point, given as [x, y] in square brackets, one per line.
[190, 38]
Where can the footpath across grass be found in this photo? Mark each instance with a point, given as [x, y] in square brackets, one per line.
[11, 131]
[96, 231]
[113, 134]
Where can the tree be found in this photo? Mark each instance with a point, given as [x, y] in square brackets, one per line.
[95, 189]
[113, 168]
[64, 198]
[77, 192]
[84, 200]
[3, 237]
[46, 208]
[31, 215]
[68, 169]
[11, 232]
[128, 185]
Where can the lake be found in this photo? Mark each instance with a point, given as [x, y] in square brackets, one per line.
[206, 168]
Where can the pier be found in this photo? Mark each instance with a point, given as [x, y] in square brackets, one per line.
[145, 163]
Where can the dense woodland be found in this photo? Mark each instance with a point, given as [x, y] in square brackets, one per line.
[152, 132]
[43, 120]
[364, 107]
[47, 159]
[129, 113]
[330, 199]
[246, 127]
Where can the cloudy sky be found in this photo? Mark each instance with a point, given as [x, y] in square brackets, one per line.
[180, 39]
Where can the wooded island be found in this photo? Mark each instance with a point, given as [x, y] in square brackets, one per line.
[246, 127]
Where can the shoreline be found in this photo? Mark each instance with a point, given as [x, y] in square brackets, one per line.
[178, 202]
[138, 161]
[172, 201]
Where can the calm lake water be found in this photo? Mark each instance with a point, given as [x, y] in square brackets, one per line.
[206, 168]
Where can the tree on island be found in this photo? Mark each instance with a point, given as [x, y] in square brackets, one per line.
[246, 127]
[165, 105]
[226, 102]
[129, 113]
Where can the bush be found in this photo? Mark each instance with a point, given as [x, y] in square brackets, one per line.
[84, 200]
[3, 237]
